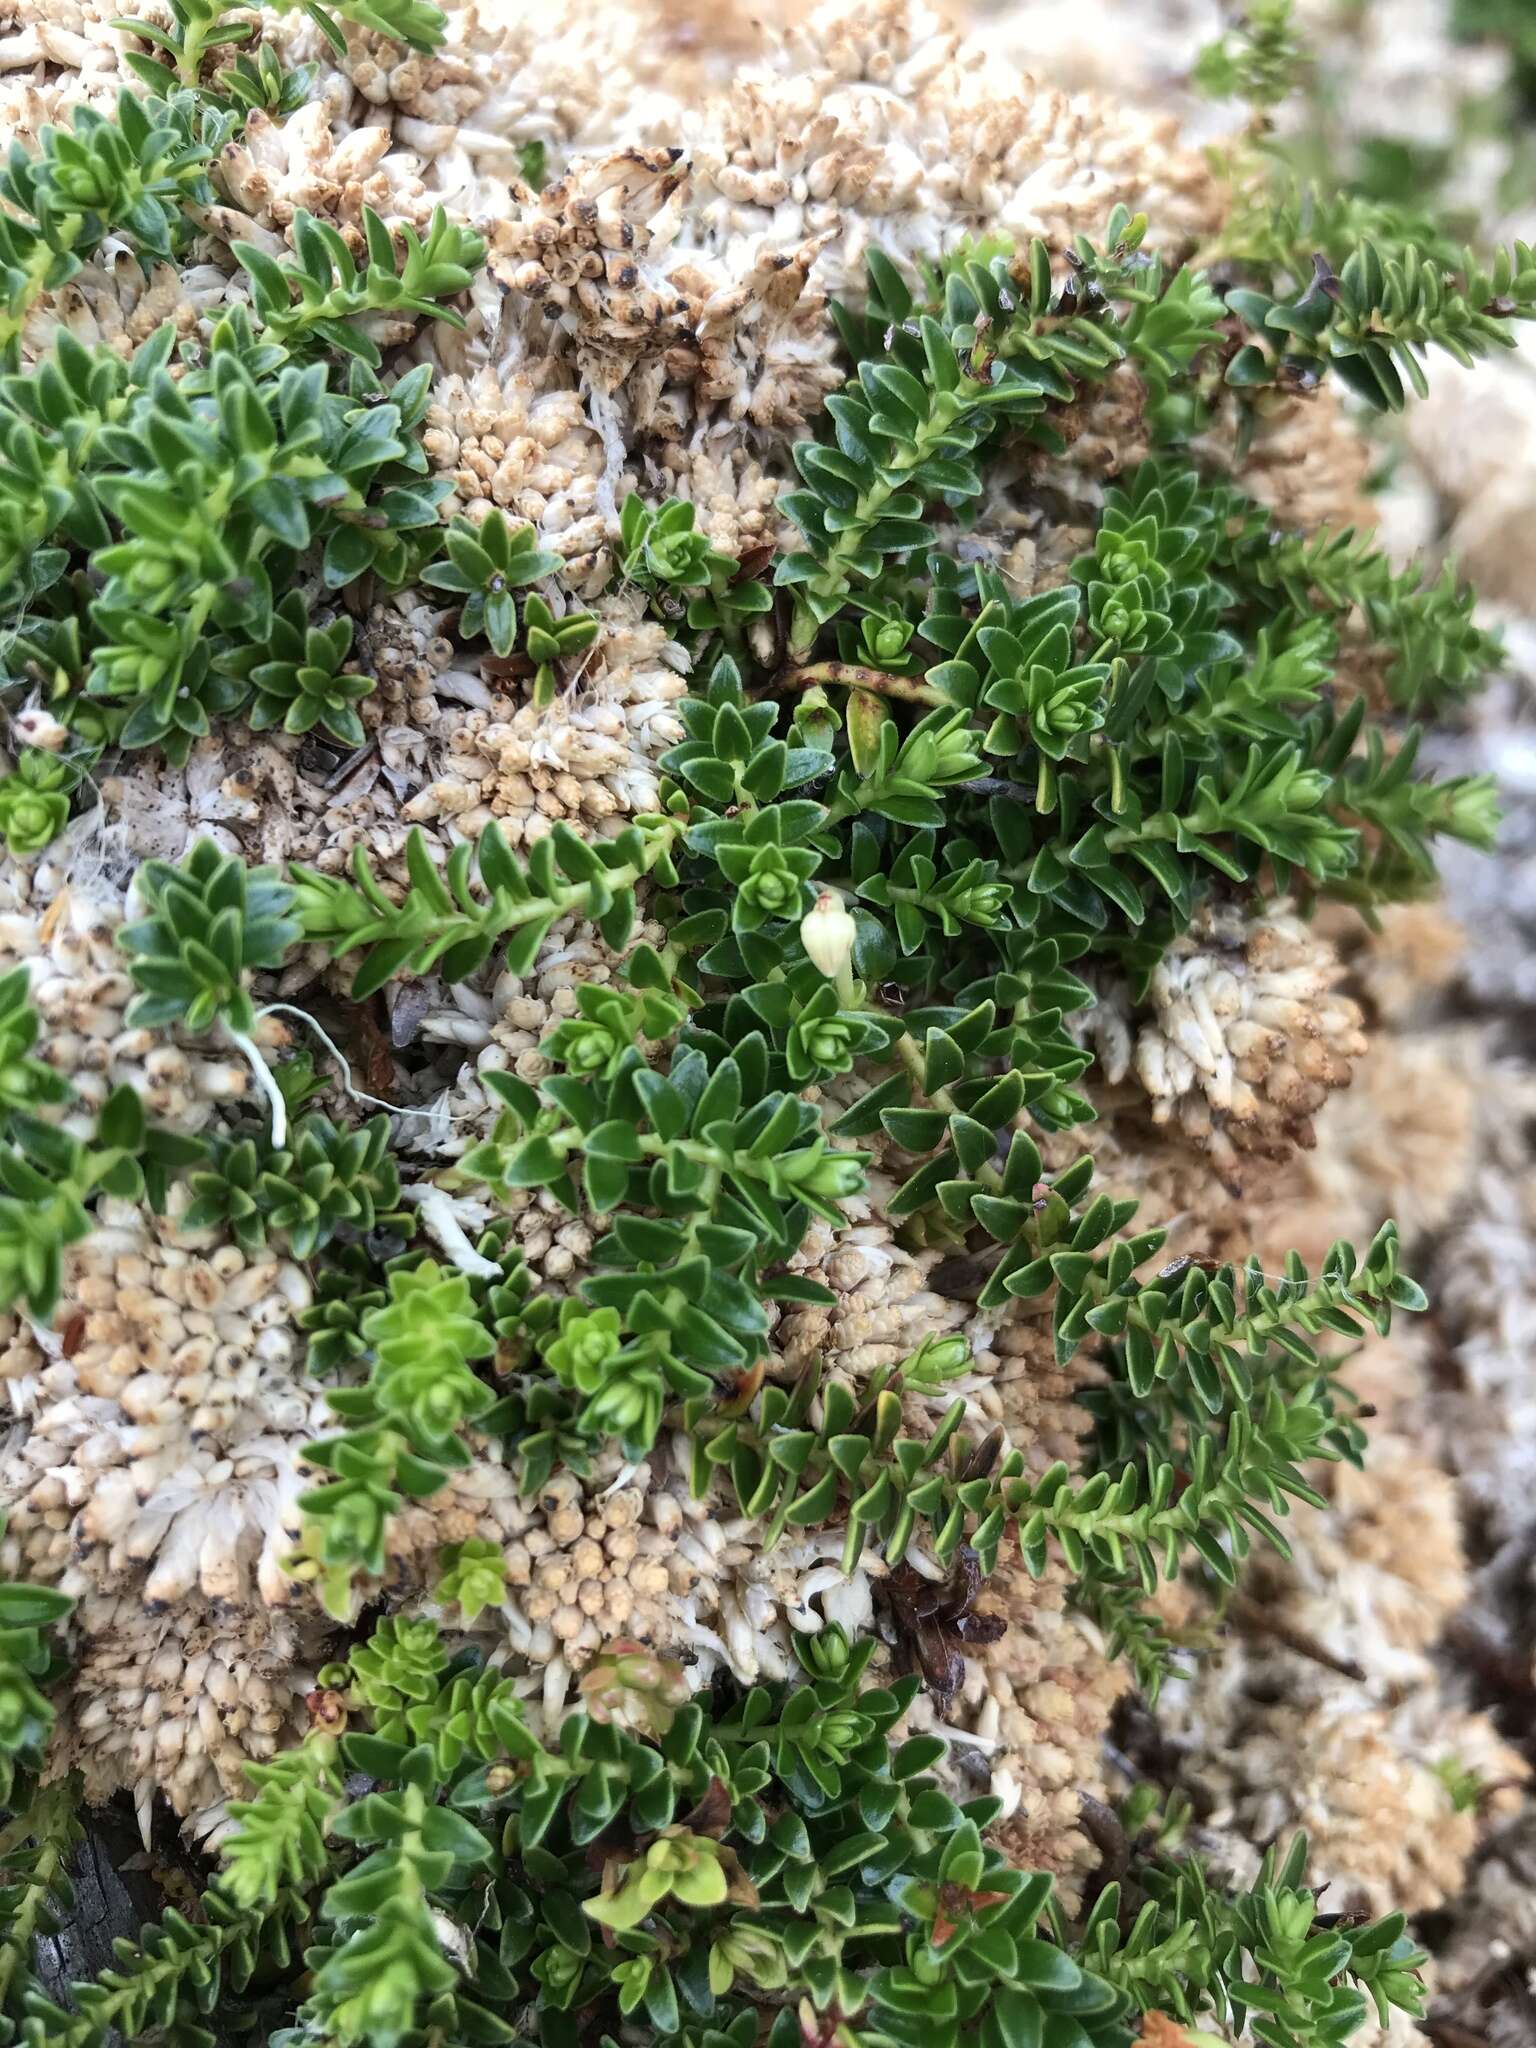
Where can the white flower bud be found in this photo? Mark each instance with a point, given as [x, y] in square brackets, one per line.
[827, 933]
